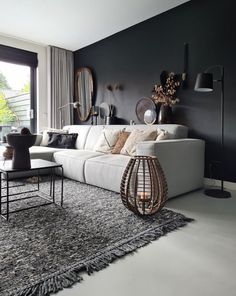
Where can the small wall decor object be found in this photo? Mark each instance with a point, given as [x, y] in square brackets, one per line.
[204, 83]
[109, 87]
[106, 113]
[113, 87]
[165, 94]
[118, 87]
[143, 186]
[94, 115]
[21, 144]
[108, 120]
[132, 122]
[150, 116]
[142, 106]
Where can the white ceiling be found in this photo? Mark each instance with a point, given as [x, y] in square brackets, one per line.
[73, 24]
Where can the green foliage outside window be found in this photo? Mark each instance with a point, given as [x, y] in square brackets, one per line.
[26, 88]
[3, 82]
[6, 115]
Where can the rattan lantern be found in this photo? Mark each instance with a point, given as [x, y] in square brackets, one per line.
[143, 186]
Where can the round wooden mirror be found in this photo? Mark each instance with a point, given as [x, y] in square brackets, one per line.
[84, 92]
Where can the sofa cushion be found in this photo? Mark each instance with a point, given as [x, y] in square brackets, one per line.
[175, 131]
[82, 131]
[95, 132]
[45, 138]
[59, 140]
[106, 170]
[135, 137]
[107, 140]
[162, 135]
[73, 161]
[120, 142]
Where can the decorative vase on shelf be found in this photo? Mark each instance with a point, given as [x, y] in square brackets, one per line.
[165, 114]
[110, 120]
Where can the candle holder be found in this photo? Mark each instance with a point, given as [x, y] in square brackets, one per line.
[143, 186]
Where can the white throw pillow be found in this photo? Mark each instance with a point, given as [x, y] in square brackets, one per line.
[45, 138]
[162, 134]
[135, 137]
[107, 140]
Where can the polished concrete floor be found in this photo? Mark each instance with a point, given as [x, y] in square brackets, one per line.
[199, 259]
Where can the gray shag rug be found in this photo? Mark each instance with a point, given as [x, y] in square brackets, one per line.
[45, 249]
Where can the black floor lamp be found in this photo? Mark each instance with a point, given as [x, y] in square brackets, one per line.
[204, 83]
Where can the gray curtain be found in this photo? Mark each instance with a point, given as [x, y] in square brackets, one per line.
[61, 71]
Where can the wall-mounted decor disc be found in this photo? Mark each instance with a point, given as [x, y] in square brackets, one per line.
[142, 106]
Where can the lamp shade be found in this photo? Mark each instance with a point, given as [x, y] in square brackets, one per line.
[204, 82]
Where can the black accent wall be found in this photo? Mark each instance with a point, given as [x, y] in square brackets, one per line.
[135, 58]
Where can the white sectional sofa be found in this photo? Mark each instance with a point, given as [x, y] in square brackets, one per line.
[182, 158]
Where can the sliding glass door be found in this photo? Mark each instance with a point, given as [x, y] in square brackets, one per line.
[17, 90]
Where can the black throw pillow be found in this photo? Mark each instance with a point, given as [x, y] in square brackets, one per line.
[58, 140]
[53, 139]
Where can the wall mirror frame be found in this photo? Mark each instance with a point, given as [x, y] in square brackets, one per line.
[84, 92]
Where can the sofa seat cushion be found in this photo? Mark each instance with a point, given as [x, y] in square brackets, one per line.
[42, 152]
[73, 161]
[106, 171]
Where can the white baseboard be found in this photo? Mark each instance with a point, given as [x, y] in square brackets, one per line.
[214, 182]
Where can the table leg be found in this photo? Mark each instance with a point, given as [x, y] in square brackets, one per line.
[38, 179]
[0, 193]
[53, 185]
[50, 182]
[62, 185]
[7, 193]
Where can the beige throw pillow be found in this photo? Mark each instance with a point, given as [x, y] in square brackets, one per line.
[162, 135]
[107, 140]
[45, 138]
[135, 137]
[120, 142]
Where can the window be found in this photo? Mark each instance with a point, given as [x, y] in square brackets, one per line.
[17, 89]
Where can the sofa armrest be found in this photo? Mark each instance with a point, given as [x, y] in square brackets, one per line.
[182, 161]
[38, 140]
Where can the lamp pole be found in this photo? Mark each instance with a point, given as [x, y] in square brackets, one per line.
[75, 105]
[204, 83]
[222, 126]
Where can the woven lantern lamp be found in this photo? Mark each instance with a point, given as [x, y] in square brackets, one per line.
[143, 186]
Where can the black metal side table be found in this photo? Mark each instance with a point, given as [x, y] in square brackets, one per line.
[36, 165]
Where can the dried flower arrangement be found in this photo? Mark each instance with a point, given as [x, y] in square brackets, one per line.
[165, 93]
